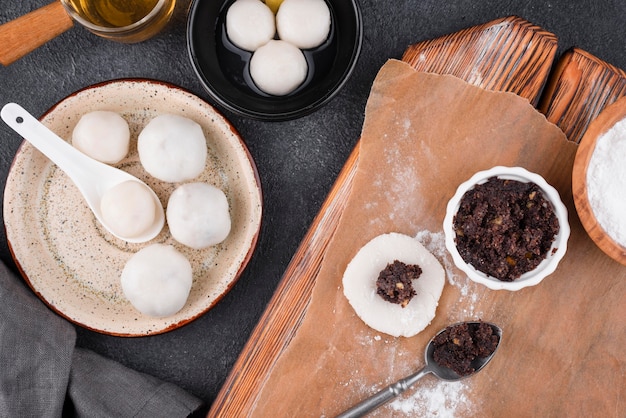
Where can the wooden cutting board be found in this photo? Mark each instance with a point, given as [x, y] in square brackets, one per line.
[562, 346]
[580, 87]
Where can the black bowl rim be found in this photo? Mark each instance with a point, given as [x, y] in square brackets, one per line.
[242, 110]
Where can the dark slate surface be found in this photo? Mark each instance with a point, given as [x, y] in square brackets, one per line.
[297, 160]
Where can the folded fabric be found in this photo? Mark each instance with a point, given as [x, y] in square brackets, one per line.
[43, 374]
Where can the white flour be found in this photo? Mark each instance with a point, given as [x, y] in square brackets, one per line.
[606, 182]
[435, 399]
[435, 243]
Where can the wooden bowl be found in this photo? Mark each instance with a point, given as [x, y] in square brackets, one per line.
[605, 121]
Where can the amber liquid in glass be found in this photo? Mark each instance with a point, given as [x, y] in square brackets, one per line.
[113, 13]
[105, 17]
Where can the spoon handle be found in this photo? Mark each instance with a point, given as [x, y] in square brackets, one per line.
[26, 33]
[383, 396]
[47, 142]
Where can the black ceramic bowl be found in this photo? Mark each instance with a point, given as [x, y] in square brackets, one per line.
[224, 73]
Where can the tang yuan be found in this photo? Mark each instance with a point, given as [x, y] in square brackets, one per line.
[278, 67]
[198, 216]
[102, 135]
[128, 209]
[393, 284]
[157, 280]
[250, 24]
[304, 23]
[172, 148]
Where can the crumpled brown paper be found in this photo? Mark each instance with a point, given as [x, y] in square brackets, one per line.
[423, 135]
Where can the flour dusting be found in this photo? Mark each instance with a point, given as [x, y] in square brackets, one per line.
[435, 243]
[435, 399]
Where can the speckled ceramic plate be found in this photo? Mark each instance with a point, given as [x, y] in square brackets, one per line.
[73, 264]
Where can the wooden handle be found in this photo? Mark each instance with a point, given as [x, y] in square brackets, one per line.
[580, 87]
[27, 33]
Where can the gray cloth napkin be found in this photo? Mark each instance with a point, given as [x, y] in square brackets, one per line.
[41, 370]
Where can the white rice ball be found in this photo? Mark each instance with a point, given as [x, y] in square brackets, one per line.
[157, 280]
[128, 209]
[250, 24]
[304, 23]
[278, 67]
[102, 135]
[172, 148]
[359, 285]
[197, 215]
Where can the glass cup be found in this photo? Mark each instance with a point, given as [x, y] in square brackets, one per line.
[127, 21]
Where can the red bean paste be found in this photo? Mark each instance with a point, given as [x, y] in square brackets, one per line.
[459, 345]
[505, 228]
[395, 282]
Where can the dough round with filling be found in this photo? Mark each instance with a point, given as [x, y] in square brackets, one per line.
[157, 280]
[278, 67]
[172, 148]
[128, 208]
[102, 135]
[197, 215]
[304, 23]
[359, 285]
[250, 24]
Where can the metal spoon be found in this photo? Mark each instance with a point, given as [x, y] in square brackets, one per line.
[444, 373]
[92, 177]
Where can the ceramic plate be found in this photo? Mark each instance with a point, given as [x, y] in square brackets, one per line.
[73, 264]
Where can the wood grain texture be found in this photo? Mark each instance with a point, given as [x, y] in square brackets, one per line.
[288, 306]
[580, 87]
[27, 33]
[612, 114]
[508, 54]
[563, 340]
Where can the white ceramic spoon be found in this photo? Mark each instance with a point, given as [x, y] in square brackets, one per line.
[92, 177]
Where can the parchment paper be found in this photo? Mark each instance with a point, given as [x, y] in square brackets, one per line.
[563, 345]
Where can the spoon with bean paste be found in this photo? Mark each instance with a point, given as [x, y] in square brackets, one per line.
[456, 352]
